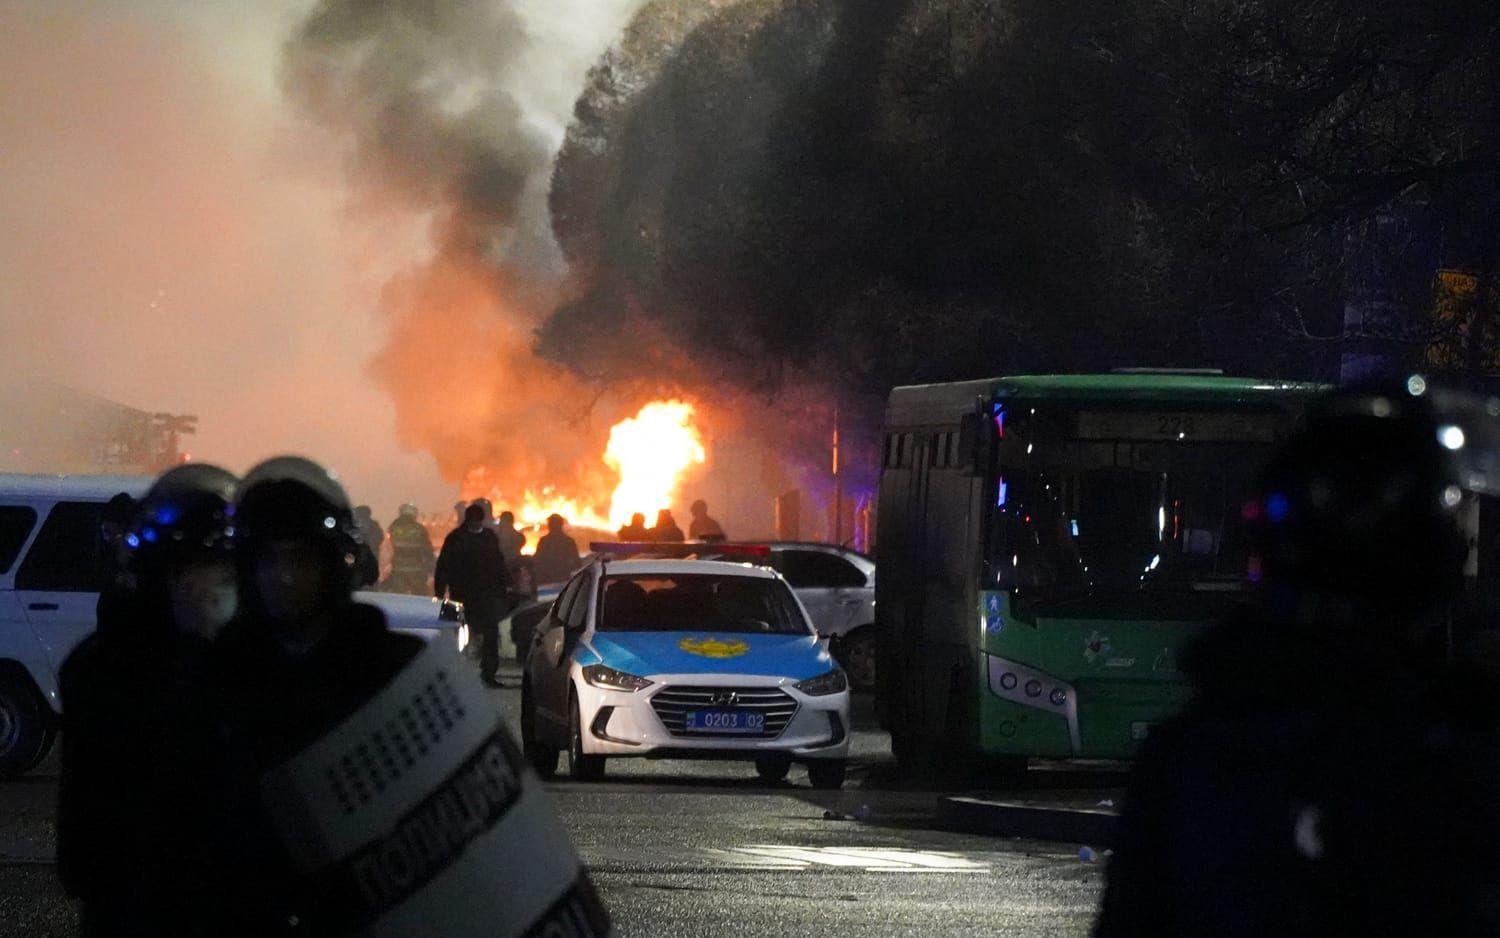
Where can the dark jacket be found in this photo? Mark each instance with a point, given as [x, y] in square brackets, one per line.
[471, 569]
[704, 528]
[1320, 783]
[666, 533]
[281, 703]
[154, 812]
[556, 558]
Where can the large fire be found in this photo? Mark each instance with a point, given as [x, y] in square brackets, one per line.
[650, 453]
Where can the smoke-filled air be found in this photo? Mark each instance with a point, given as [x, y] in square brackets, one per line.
[447, 247]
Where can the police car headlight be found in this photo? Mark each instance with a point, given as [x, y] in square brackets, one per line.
[602, 675]
[830, 683]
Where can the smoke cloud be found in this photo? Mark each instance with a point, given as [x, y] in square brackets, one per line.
[173, 242]
[453, 112]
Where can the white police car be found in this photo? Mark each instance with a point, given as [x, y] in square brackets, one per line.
[683, 659]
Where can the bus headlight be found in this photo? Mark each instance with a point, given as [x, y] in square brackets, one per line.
[1033, 688]
[602, 675]
[830, 683]
[1058, 696]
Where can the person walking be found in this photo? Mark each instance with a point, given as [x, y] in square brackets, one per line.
[471, 570]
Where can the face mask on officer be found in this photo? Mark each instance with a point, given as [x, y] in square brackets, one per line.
[292, 582]
[204, 596]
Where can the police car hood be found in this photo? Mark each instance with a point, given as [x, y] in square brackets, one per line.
[796, 657]
[407, 612]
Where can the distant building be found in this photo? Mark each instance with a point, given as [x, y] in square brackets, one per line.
[48, 427]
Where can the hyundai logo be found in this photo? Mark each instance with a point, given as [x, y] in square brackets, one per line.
[724, 698]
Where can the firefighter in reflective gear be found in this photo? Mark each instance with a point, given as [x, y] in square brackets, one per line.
[1335, 771]
[411, 554]
[153, 808]
[389, 783]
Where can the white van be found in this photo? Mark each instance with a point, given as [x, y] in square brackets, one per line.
[51, 558]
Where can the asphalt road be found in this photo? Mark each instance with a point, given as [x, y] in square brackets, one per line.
[706, 849]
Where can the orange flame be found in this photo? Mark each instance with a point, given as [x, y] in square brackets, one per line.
[650, 452]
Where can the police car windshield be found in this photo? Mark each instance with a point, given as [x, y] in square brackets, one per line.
[698, 603]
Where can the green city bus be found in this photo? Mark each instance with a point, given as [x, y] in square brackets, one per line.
[1046, 546]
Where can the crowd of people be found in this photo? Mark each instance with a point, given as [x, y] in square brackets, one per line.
[666, 531]
[482, 563]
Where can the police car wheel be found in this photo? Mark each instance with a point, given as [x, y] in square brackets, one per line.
[827, 774]
[24, 733]
[581, 766]
[772, 768]
[859, 659]
[543, 758]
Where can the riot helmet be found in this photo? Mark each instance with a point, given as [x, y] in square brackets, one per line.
[1367, 509]
[181, 544]
[293, 505]
[408, 511]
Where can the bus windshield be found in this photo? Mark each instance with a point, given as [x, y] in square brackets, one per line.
[1121, 528]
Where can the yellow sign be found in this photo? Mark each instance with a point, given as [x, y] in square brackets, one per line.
[1459, 321]
[713, 647]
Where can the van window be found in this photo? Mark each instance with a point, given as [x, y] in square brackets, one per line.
[16, 522]
[67, 555]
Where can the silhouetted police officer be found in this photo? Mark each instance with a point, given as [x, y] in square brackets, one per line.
[1335, 772]
[151, 806]
[394, 798]
[304, 654]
